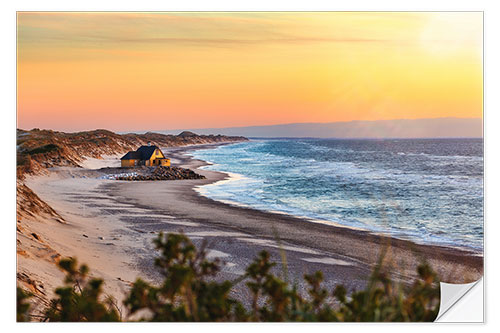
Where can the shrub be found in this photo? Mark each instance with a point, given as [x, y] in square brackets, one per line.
[383, 300]
[22, 306]
[43, 149]
[189, 292]
[81, 297]
[186, 294]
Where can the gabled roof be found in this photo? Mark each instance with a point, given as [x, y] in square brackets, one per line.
[143, 153]
[146, 151]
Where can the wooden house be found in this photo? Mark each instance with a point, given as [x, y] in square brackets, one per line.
[146, 155]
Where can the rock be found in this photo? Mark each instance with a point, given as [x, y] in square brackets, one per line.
[161, 173]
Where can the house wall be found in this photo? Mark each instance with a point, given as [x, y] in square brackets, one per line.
[162, 162]
[158, 154]
[128, 163]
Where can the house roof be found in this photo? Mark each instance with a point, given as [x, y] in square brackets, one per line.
[143, 153]
[132, 155]
[146, 151]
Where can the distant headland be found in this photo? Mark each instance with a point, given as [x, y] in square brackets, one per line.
[398, 128]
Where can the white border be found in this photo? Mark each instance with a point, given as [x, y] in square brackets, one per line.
[492, 109]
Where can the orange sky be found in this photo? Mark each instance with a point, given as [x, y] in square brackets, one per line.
[154, 71]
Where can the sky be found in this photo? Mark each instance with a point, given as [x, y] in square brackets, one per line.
[159, 71]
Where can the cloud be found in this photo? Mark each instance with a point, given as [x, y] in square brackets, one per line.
[83, 30]
[236, 41]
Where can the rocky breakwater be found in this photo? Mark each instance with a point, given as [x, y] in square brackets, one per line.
[162, 173]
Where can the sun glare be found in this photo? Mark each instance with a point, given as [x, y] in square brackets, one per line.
[450, 34]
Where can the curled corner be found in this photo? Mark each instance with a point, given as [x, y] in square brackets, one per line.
[466, 298]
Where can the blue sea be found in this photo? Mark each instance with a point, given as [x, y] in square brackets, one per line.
[426, 190]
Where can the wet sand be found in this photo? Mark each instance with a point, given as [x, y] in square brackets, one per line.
[345, 255]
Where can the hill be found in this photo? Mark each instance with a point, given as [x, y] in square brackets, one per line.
[41, 149]
[397, 128]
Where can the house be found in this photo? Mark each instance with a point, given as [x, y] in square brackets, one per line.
[146, 155]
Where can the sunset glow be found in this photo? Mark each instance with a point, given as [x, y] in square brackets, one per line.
[154, 71]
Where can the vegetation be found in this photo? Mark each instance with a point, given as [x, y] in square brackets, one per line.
[38, 149]
[80, 298]
[22, 304]
[22, 159]
[43, 149]
[189, 292]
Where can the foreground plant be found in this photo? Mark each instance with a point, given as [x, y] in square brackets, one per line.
[383, 300]
[22, 305]
[81, 298]
[186, 293]
[189, 292]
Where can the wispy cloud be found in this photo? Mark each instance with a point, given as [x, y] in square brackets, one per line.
[195, 29]
[220, 41]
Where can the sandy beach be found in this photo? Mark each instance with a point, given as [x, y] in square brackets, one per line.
[110, 225]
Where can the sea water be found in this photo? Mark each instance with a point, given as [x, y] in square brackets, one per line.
[426, 190]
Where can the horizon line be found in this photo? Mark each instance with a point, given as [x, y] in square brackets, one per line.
[243, 126]
[297, 123]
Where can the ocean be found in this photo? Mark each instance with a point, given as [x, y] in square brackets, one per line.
[427, 190]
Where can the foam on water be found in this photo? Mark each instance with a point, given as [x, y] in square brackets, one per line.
[429, 191]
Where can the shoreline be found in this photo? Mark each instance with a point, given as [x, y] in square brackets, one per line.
[110, 225]
[356, 244]
[234, 176]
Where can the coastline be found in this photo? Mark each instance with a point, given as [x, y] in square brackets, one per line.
[233, 176]
[455, 265]
[398, 199]
[111, 224]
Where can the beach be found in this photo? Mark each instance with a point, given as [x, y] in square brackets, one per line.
[110, 225]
